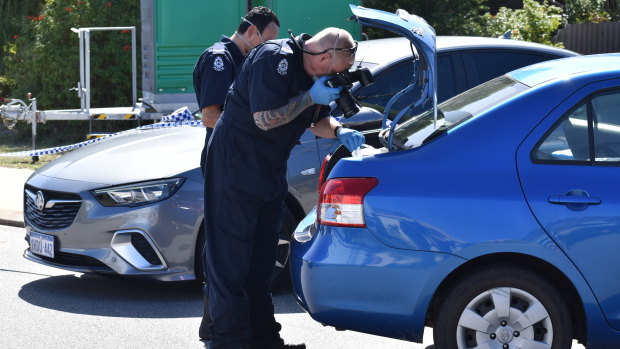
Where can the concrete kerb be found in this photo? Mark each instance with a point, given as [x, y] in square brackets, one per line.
[12, 195]
[11, 218]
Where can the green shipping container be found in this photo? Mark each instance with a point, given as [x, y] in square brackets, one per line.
[175, 33]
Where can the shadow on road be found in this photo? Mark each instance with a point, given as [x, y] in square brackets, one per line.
[104, 296]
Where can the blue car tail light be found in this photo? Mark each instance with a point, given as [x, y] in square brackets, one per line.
[341, 203]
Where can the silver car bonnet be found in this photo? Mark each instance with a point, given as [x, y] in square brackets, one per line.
[132, 156]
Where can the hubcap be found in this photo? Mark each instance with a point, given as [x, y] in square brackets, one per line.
[505, 318]
[504, 334]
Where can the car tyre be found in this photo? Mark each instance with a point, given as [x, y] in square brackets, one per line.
[502, 306]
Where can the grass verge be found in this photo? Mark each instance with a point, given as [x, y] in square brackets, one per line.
[51, 134]
[23, 161]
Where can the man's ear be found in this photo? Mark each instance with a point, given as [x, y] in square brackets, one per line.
[325, 57]
[250, 32]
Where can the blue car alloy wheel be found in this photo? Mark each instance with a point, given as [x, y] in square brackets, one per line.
[503, 306]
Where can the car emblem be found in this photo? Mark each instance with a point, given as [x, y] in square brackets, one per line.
[504, 335]
[40, 201]
[418, 31]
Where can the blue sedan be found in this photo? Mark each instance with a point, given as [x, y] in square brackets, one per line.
[495, 220]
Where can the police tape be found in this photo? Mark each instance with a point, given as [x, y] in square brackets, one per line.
[180, 117]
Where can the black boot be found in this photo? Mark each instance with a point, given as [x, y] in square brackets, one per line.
[290, 346]
[281, 345]
[203, 331]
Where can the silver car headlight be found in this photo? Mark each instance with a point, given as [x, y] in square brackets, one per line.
[138, 193]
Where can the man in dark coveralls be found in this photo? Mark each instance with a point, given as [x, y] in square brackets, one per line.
[214, 73]
[217, 67]
[276, 96]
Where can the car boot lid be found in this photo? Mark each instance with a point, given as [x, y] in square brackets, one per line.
[423, 38]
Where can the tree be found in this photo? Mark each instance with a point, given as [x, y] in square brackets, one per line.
[448, 17]
[45, 56]
[536, 22]
[587, 11]
[11, 14]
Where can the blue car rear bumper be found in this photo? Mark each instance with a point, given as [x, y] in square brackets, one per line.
[347, 278]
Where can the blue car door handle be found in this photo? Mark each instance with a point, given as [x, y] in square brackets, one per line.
[566, 199]
[575, 200]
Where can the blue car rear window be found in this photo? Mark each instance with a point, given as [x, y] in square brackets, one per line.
[414, 131]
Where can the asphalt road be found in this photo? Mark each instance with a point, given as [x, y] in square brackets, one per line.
[43, 307]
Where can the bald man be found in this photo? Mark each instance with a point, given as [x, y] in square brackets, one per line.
[277, 95]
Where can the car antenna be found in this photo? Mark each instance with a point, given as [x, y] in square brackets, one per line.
[359, 65]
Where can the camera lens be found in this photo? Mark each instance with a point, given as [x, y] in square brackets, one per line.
[347, 104]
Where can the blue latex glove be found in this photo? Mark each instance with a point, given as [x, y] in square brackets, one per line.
[351, 139]
[323, 94]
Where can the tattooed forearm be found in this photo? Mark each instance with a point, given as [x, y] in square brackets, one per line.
[269, 119]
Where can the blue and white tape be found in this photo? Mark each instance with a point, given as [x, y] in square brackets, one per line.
[180, 117]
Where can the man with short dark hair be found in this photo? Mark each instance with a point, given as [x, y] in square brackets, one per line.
[276, 96]
[213, 74]
[218, 65]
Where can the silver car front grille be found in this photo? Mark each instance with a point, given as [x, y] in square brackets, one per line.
[50, 210]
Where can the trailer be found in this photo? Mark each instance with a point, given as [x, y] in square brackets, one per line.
[16, 110]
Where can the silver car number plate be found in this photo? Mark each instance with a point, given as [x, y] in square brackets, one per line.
[42, 244]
